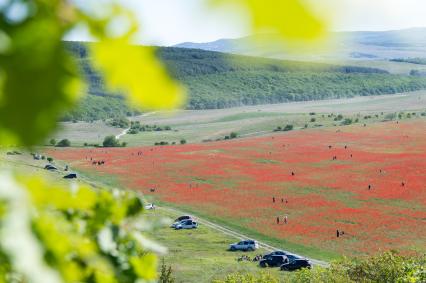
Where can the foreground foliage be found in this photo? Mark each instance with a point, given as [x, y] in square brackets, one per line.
[51, 233]
[387, 267]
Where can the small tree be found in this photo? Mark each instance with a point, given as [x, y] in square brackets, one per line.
[166, 274]
[183, 141]
[110, 141]
[52, 142]
[50, 159]
[313, 120]
[64, 143]
[347, 121]
[233, 135]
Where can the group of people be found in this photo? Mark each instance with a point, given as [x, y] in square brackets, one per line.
[282, 200]
[100, 162]
[284, 220]
[247, 258]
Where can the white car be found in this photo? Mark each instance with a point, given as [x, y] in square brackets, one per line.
[247, 245]
[149, 206]
[186, 224]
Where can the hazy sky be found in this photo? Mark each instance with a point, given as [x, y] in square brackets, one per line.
[167, 22]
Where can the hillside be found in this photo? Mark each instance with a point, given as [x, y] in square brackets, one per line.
[218, 80]
[360, 45]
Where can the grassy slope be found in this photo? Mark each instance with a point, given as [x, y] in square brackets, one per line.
[200, 255]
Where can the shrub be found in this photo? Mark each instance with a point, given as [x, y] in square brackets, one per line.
[110, 141]
[166, 274]
[347, 121]
[288, 128]
[313, 120]
[338, 117]
[233, 135]
[183, 141]
[262, 277]
[64, 143]
[390, 116]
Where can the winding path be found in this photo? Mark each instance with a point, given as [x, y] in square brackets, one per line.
[124, 132]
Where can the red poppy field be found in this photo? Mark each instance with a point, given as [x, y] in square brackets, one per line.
[369, 182]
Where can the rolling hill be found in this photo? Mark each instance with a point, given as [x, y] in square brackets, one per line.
[219, 80]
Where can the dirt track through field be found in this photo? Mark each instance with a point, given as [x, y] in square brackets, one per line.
[240, 236]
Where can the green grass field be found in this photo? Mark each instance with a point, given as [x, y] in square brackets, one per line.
[200, 255]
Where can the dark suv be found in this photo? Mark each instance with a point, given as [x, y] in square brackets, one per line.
[275, 253]
[296, 264]
[273, 261]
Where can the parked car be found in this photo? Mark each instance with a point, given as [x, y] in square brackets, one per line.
[70, 176]
[292, 257]
[186, 224]
[273, 261]
[296, 264]
[180, 219]
[275, 253]
[149, 206]
[50, 167]
[247, 245]
[184, 217]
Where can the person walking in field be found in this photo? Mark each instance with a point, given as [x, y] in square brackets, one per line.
[285, 219]
[337, 233]
[278, 220]
[273, 199]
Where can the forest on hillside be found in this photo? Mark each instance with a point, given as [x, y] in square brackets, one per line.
[219, 80]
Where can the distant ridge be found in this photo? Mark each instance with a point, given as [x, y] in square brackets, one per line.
[365, 45]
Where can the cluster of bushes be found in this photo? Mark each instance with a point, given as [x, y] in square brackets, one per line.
[136, 127]
[232, 135]
[13, 153]
[286, 128]
[387, 267]
[119, 122]
[182, 141]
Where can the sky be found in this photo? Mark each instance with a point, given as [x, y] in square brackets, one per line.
[168, 22]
